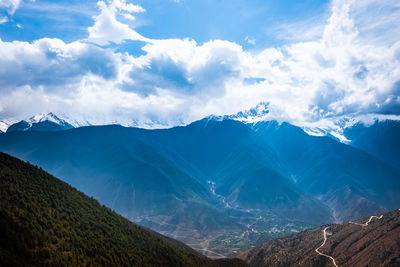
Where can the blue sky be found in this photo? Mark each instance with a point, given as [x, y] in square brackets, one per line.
[200, 20]
[167, 62]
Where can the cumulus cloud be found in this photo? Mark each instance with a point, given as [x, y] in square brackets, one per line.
[107, 28]
[10, 5]
[52, 64]
[185, 68]
[349, 70]
[338, 74]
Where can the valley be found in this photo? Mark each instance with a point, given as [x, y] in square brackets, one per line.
[69, 228]
[200, 133]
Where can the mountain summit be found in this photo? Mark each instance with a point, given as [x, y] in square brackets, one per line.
[45, 122]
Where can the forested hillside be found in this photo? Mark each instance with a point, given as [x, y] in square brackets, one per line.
[44, 221]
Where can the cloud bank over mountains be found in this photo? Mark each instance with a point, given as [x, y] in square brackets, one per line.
[351, 68]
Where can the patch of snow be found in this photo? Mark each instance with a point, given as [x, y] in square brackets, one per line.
[58, 119]
[44, 117]
[340, 137]
[314, 132]
[4, 125]
[253, 115]
[336, 126]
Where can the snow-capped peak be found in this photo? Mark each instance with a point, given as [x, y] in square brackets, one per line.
[58, 119]
[252, 115]
[45, 117]
[329, 127]
[336, 127]
[40, 122]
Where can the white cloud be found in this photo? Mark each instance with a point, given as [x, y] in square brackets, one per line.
[11, 5]
[52, 64]
[108, 29]
[306, 82]
[249, 40]
[377, 21]
[130, 8]
[183, 67]
[3, 20]
[129, 17]
[310, 29]
[316, 82]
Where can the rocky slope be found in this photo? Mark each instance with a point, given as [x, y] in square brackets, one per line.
[371, 241]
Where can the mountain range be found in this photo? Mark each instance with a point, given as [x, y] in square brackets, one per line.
[45, 221]
[220, 184]
[45, 122]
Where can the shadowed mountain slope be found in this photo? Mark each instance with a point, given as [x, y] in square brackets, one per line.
[351, 182]
[380, 139]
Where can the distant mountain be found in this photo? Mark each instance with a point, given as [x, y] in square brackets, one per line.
[372, 241]
[343, 177]
[381, 139]
[46, 222]
[43, 122]
[219, 184]
[229, 152]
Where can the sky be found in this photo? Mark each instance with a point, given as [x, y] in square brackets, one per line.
[161, 63]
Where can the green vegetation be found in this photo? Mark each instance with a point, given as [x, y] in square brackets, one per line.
[266, 226]
[44, 221]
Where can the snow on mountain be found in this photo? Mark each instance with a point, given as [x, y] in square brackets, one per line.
[46, 122]
[4, 126]
[336, 127]
[252, 115]
[329, 127]
[46, 117]
[74, 122]
[59, 119]
[314, 131]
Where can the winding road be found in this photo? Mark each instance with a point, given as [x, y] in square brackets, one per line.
[370, 219]
[323, 243]
[325, 238]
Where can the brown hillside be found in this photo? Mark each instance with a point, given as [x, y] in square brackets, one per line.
[357, 243]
